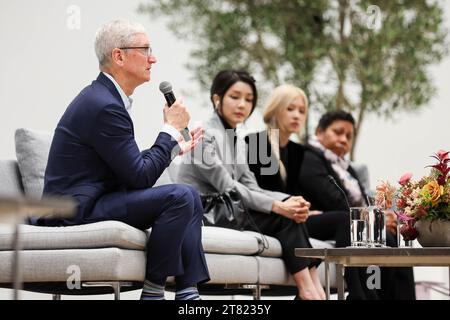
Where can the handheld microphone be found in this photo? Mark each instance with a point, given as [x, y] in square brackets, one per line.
[166, 89]
[333, 181]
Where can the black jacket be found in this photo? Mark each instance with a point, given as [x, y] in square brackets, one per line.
[259, 145]
[316, 186]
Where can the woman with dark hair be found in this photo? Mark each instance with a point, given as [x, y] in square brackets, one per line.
[325, 159]
[221, 165]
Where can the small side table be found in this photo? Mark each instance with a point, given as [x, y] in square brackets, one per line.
[383, 257]
[14, 210]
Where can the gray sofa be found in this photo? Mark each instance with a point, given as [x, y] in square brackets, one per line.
[109, 256]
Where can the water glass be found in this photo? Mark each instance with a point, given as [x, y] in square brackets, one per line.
[359, 217]
[376, 227]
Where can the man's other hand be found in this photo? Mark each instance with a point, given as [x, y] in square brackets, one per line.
[196, 135]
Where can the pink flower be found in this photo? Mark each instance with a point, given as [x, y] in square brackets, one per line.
[442, 154]
[404, 179]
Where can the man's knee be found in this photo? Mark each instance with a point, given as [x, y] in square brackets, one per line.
[181, 193]
[197, 200]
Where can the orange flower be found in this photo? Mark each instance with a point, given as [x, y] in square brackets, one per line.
[384, 195]
[432, 191]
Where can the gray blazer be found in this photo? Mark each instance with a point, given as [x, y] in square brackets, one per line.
[213, 166]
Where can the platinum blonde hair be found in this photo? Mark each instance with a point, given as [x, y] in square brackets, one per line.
[115, 34]
[280, 98]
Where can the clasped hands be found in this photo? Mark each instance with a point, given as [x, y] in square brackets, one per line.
[295, 208]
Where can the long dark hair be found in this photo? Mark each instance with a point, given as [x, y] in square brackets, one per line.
[226, 78]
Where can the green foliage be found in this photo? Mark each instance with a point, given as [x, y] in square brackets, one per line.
[360, 55]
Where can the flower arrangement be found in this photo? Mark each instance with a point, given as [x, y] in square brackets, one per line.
[427, 198]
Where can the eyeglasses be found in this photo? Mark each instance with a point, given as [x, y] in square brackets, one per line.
[145, 50]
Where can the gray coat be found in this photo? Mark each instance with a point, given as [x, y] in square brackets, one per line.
[213, 167]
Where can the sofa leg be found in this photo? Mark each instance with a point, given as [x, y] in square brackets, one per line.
[256, 288]
[115, 285]
[56, 296]
[257, 292]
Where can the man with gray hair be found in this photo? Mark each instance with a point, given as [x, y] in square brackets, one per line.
[94, 159]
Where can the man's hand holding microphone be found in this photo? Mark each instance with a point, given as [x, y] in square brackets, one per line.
[176, 115]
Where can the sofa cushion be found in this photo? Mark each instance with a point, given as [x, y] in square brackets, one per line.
[10, 180]
[228, 241]
[232, 269]
[32, 148]
[94, 235]
[103, 264]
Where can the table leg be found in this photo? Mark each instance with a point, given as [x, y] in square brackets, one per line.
[340, 269]
[327, 279]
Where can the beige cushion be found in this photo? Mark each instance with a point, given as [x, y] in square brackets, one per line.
[10, 180]
[232, 269]
[32, 148]
[94, 235]
[228, 241]
[107, 264]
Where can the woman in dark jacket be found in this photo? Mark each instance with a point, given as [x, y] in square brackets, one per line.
[277, 161]
[328, 181]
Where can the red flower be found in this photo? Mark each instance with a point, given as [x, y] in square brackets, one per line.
[442, 157]
[408, 231]
[442, 154]
[421, 212]
[401, 203]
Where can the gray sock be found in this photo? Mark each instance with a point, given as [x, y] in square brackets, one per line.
[152, 291]
[189, 293]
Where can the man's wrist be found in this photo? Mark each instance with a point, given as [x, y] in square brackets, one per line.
[174, 133]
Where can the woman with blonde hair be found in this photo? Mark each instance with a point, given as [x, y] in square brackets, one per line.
[285, 114]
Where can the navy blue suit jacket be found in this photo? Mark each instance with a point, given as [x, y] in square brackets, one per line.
[94, 153]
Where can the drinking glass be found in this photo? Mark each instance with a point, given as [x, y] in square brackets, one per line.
[358, 226]
[376, 227]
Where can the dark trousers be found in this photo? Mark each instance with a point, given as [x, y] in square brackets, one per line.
[174, 248]
[290, 234]
[396, 283]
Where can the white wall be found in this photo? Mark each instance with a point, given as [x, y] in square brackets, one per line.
[44, 64]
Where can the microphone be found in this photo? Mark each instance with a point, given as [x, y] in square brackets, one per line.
[333, 181]
[166, 89]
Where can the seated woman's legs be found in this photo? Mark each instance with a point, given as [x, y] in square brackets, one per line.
[291, 235]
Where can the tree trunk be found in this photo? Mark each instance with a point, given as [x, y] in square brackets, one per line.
[359, 121]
